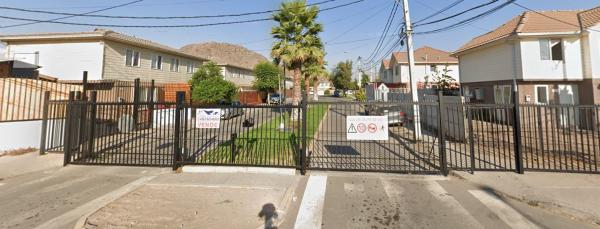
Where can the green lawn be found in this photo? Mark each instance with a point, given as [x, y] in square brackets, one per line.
[266, 144]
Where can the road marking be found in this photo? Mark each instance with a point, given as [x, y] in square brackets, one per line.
[81, 213]
[442, 195]
[508, 214]
[214, 186]
[310, 214]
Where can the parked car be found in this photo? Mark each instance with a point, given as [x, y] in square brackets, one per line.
[336, 93]
[395, 114]
[233, 109]
[275, 99]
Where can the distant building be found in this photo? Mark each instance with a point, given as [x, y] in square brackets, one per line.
[427, 62]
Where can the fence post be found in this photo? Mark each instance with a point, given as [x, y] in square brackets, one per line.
[233, 147]
[517, 133]
[67, 132]
[93, 104]
[136, 102]
[441, 135]
[471, 139]
[180, 97]
[44, 122]
[85, 85]
[151, 103]
[304, 120]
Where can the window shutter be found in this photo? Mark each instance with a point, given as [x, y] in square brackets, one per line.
[545, 49]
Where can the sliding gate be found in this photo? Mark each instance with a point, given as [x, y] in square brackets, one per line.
[346, 136]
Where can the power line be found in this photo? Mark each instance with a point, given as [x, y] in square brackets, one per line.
[153, 17]
[441, 11]
[166, 26]
[550, 17]
[469, 20]
[356, 26]
[71, 16]
[458, 14]
[384, 33]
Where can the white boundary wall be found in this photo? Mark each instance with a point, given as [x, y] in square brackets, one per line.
[14, 135]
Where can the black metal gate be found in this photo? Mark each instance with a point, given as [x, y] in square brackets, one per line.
[314, 135]
[405, 151]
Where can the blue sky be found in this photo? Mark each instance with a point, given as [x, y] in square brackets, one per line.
[360, 21]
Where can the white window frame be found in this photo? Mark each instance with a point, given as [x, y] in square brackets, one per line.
[174, 64]
[478, 93]
[130, 60]
[190, 67]
[535, 92]
[549, 42]
[156, 62]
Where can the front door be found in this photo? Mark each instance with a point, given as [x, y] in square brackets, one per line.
[568, 95]
[502, 95]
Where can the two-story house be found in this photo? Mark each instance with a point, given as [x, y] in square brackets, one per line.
[553, 56]
[385, 72]
[428, 62]
[106, 54]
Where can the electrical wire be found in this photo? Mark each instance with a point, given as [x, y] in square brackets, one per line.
[71, 16]
[441, 11]
[550, 17]
[166, 26]
[384, 33]
[153, 17]
[457, 14]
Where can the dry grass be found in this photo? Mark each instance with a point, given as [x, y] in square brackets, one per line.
[17, 152]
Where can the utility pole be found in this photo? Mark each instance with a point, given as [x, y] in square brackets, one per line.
[411, 71]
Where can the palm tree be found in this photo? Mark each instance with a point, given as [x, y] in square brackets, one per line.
[297, 39]
[314, 71]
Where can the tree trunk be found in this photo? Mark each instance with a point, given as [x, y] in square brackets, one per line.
[296, 97]
[307, 86]
[315, 90]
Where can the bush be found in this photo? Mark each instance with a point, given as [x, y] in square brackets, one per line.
[213, 90]
[361, 95]
[327, 92]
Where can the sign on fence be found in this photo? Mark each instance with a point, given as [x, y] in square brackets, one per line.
[208, 118]
[367, 128]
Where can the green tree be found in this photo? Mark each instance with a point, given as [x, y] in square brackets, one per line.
[267, 77]
[360, 95]
[342, 76]
[208, 85]
[364, 79]
[354, 85]
[297, 39]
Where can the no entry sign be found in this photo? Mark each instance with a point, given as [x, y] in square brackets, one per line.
[367, 128]
[208, 118]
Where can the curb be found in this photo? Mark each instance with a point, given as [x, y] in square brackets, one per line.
[553, 207]
[236, 169]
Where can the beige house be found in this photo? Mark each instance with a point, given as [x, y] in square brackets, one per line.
[105, 54]
[554, 56]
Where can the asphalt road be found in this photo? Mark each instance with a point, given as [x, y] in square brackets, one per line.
[372, 200]
[33, 199]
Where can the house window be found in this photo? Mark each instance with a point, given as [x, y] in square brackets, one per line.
[478, 93]
[502, 94]
[156, 62]
[132, 58]
[551, 49]
[541, 94]
[190, 67]
[174, 64]
[433, 68]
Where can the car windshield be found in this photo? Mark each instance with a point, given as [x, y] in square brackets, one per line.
[274, 95]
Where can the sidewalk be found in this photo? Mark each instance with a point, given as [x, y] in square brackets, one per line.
[202, 200]
[11, 166]
[573, 195]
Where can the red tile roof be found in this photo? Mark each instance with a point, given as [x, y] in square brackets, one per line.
[426, 55]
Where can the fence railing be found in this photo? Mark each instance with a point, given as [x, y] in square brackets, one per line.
[313, 135]
[23, 99]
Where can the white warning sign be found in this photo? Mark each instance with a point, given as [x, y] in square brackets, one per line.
[367, 128]
[208, 118]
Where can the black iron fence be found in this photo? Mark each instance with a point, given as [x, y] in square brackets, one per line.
[423, 137]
